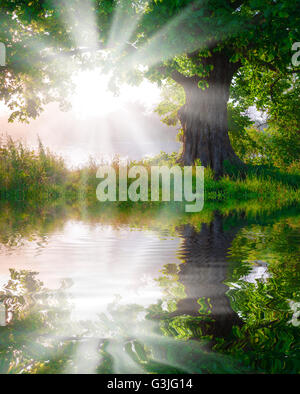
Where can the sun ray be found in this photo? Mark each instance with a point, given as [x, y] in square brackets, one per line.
[158, 48]
[80, 21]
[125, 21]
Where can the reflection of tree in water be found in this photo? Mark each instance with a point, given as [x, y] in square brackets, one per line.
[20, 223]
[202, 273]
[37, 317]
[42, 337]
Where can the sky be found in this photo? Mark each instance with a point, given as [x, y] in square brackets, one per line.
[99, 124]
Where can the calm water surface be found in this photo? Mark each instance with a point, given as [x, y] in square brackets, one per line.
[218, 293]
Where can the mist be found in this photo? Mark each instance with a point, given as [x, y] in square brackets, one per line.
[132, 131]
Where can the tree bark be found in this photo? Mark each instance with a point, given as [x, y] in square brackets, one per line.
[204, 116]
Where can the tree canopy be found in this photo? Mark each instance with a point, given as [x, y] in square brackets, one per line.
[186, 41]
[170, 37]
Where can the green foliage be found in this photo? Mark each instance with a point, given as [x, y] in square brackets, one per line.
[267, 341]
[279, 97]
[164, 41]
[44, 41]
[172, 98]
[28, 176]
[272, 146]
[26, 172]
[32, 32]
[36, 309]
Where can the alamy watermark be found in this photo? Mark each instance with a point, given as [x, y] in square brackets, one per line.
[188, 184]
[2, 55]
[296, 56]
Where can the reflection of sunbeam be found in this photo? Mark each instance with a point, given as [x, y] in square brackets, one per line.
[123, 363]
[87, 357]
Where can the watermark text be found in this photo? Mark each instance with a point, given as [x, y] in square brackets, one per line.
[165, 184]
[2, 55]
[296, 56]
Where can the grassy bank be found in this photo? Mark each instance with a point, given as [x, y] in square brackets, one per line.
[27, 174]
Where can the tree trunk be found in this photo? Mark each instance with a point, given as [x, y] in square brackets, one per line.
[204, 117]
[205, 268]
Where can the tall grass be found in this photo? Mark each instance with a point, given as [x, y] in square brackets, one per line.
[24, 171]
[27, 174]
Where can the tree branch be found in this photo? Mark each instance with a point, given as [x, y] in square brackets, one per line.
[176, 75]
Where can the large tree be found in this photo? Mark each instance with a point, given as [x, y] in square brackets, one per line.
[200, 44]
[221, 39]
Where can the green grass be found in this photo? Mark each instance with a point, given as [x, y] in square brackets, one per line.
[25, 173]
[31, 175]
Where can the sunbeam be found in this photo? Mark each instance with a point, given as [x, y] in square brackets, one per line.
[125, 21]
[80, 21]
[169, 41]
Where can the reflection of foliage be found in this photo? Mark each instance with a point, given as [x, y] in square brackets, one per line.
[37, 316]
[30, 222]
[173, 290]
[188, 327]
[276, 244]
[41, 336]
[20, 223]
[138, 346]
[35, 340]
[295, 308]
[273, 348]
[268, 341]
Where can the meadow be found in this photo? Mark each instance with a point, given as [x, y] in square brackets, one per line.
[38, 175]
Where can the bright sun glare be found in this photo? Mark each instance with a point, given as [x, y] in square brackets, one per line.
[93, 97]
